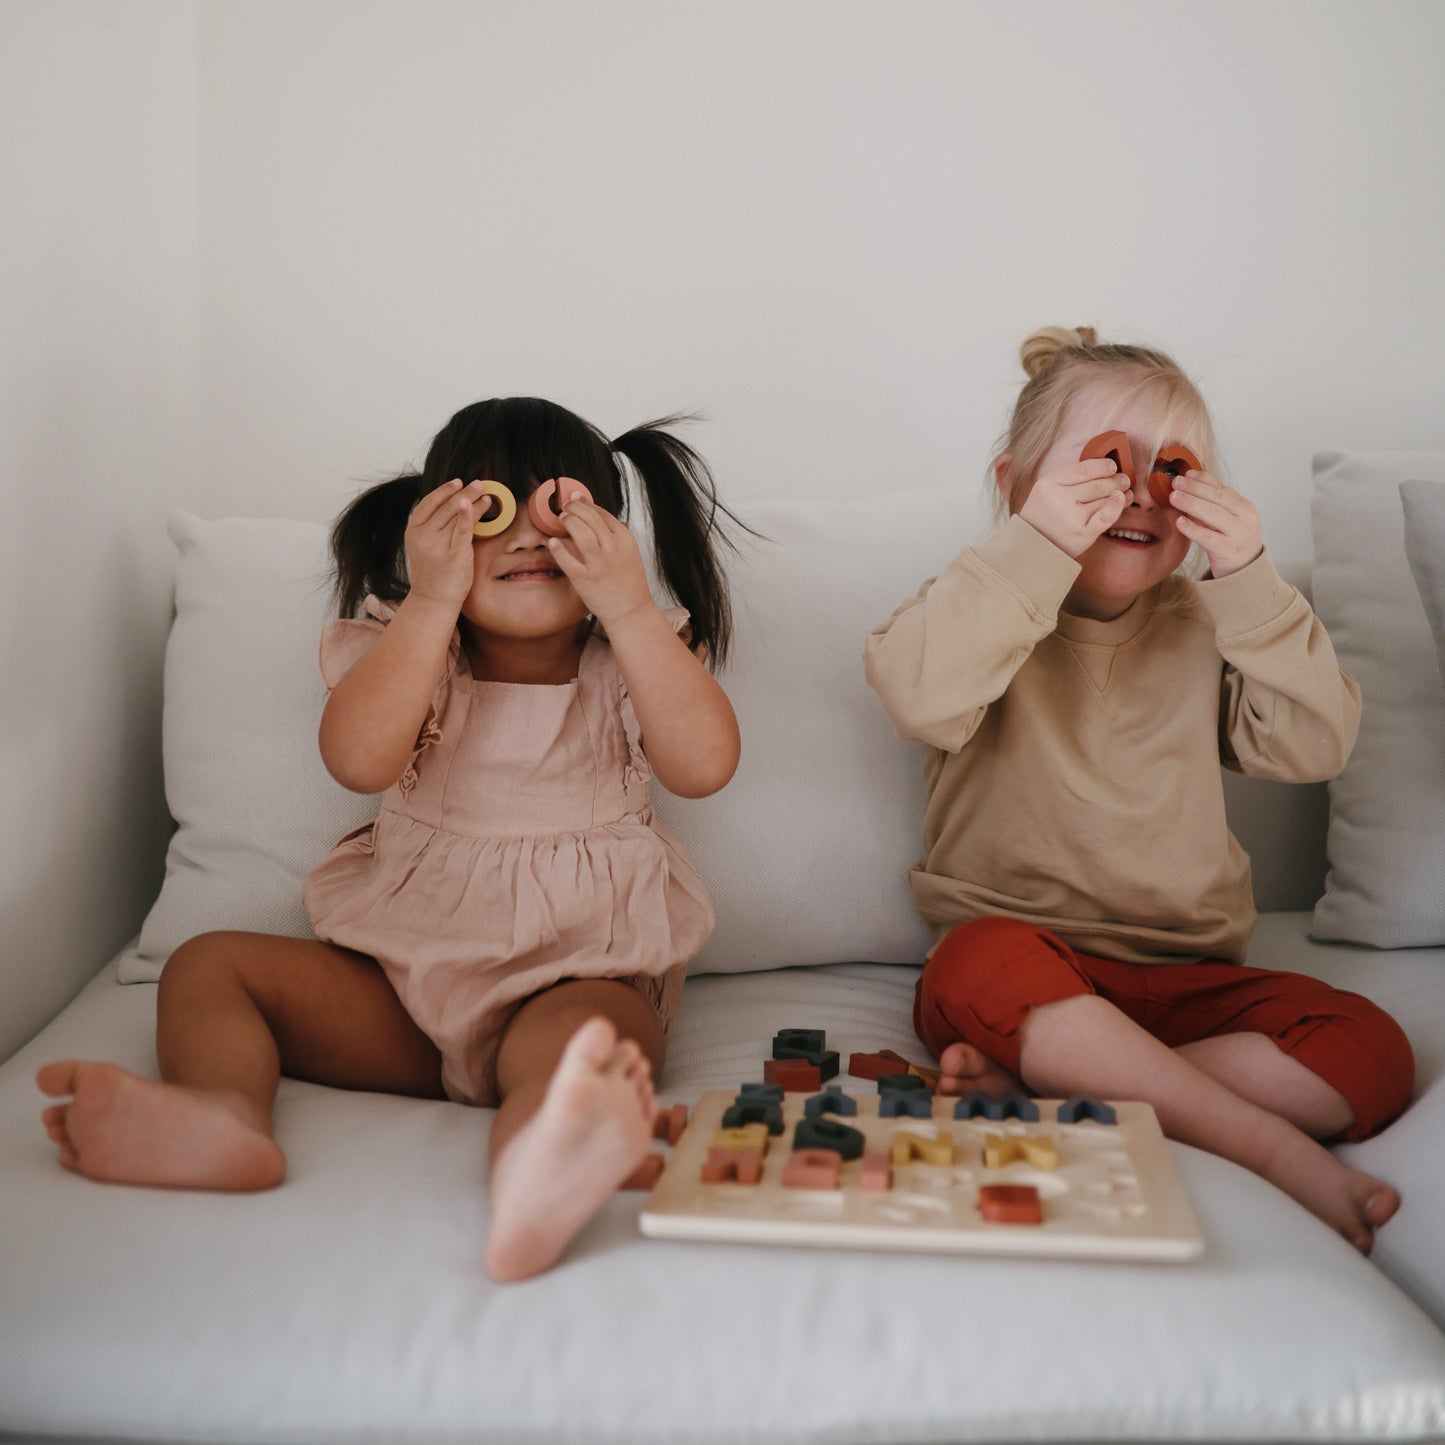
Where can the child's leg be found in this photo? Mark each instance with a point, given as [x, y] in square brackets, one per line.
[234, 1011]
[1331, 1062]
[1253, 1066]
[1018, 999]
[575, 1073]
[954, 996]
[1086, 1044]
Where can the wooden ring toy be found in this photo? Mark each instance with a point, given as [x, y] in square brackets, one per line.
[1173, 461]
[499, 520]
[1115, 446]
[545, 508]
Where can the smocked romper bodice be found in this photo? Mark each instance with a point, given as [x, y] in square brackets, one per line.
[519, 848]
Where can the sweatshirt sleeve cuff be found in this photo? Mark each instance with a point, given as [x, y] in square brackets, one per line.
[1030, 565]
[1251, 598]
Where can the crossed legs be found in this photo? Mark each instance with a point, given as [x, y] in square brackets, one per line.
[1262, 1100]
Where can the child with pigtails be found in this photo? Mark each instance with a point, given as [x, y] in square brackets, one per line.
[514, 926]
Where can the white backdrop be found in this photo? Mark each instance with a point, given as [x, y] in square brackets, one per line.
[257, 251]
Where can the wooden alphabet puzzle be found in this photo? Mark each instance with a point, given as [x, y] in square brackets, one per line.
[910, 1171]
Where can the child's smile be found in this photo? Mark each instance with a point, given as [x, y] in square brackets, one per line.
[533, 572]
[1131, 537]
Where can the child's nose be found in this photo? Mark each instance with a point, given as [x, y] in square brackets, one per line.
[524, 532]
[1139, 493]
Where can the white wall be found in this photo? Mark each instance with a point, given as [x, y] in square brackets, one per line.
[829, 223]
[98, 261]
[269, 245]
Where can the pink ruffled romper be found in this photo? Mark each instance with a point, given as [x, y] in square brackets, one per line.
[518, 849]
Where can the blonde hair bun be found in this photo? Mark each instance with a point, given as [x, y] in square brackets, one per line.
[1039, 350]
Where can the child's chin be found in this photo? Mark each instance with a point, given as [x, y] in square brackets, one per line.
[530, 623]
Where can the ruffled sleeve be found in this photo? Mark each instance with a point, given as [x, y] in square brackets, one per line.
[637, 769]
[345, 642]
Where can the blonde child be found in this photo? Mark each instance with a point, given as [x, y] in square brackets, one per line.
[514, 927]
[1077, 694]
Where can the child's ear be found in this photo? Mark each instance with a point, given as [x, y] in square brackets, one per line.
[1003, 475]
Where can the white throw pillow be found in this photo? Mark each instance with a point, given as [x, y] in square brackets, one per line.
[255, 809]
[1424, 504]
[805, 853]
[1386, 884]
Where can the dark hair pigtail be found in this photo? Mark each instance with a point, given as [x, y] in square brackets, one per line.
[686, 529]
[368, 543]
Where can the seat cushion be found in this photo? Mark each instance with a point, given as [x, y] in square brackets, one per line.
[351, 1303]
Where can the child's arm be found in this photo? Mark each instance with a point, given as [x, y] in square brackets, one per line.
[949, 652]
[370, 724]
[1288, 710]
[687, 723]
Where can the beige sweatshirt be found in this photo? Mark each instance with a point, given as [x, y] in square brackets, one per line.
[1073, 766]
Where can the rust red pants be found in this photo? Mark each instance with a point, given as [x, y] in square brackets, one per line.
[986, 975]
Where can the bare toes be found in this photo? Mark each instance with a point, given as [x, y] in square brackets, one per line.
[57, 1079]
[962, 1061]
[594, 1043]
[1380, 1207]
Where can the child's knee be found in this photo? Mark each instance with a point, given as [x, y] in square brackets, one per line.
[983, 978]
[204, 954]
[1386, 1069]
[208, 963]
[1363, 1052]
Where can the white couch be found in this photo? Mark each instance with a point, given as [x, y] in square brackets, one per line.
[351, 1304]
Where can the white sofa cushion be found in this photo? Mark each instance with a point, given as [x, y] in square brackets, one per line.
[1424, 505]
[351, 1304]
[1386, 883]
[826, 806]
[255, 809]
[806, 852]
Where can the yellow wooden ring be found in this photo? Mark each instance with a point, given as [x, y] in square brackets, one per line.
[506, 511]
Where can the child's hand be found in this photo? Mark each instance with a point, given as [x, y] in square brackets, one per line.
[1221, 521]
[601, 560]
[1074, 506]
[439, 543]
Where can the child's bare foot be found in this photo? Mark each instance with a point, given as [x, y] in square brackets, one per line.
[965, 1068]
[589, 1134]
[1352, 1203]
[123, 1129]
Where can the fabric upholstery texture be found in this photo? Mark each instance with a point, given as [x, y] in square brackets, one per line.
[1386, 883]
[351, 1304]
[256, 810]
[1424, 506]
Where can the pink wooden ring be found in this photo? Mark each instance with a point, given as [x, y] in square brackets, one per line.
[547, 501]
[506, 511]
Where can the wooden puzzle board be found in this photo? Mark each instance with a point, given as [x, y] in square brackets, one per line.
[1114, 1195]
